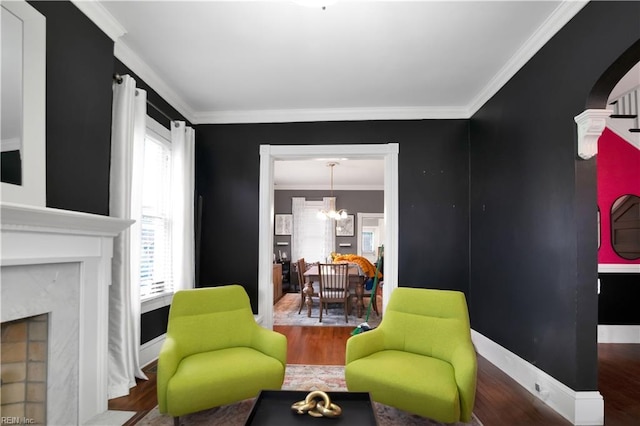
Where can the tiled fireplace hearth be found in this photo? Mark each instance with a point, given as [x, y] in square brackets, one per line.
[57, 264]
[24, 369]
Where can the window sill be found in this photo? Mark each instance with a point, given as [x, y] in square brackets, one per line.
[156, 302]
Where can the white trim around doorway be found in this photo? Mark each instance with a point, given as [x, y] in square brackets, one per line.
[268, 155]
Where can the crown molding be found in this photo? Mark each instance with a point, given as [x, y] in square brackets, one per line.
[101, 17]
[329, 114]
[131, 59]
[558, 19]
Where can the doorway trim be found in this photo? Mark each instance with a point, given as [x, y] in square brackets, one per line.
[268, 155]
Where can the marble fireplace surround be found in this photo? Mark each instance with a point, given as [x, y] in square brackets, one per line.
[59, 262]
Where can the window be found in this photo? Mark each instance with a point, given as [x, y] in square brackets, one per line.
[312, 238]
[155, 216]
[311, 242]
[368, 241]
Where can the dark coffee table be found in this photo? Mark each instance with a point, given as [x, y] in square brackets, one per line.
[273, 408]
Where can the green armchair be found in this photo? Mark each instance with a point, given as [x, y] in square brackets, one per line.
[215, 353]
[421, 358]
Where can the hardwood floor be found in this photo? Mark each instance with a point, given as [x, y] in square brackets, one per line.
[619, 383]
[500, 401]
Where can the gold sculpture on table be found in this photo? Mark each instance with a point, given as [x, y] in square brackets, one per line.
[322, 408]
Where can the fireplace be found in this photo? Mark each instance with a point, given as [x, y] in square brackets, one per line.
[57, 264]
[24, 370]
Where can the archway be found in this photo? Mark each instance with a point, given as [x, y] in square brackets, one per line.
[591, 124]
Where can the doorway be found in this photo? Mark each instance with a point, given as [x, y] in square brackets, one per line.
[268, 155]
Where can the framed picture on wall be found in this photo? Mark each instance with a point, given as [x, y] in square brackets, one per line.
[284, 224]
[344, 227]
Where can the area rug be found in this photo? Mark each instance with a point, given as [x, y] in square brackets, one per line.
[328, 378]
[285, 312]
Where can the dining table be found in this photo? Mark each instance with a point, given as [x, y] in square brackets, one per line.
[356, 281]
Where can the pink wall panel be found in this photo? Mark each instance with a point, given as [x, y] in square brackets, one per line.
[618, 174]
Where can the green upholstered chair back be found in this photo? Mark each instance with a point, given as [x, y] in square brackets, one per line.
[206, 319]
[426, 322]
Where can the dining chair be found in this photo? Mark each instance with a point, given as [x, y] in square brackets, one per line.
[334, 286]
[301, 266]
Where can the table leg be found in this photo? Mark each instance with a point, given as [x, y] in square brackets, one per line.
[308, 291]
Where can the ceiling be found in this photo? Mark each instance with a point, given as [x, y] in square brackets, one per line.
[348, 174]
[279, 61]
[275, 61]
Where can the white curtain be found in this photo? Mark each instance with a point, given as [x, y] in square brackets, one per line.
[297, 235]
[127, 143]
[183, 178]
[329, 228]
[312, 238]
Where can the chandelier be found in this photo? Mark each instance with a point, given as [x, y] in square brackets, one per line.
[332, 213]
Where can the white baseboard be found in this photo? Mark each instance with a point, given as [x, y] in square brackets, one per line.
[150, 350]
[258, 318]
[580, 408]
[618, 333]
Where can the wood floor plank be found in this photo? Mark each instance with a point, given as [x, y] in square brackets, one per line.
[500, 401]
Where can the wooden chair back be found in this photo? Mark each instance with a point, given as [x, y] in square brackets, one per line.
[334, 281]
[301, 266]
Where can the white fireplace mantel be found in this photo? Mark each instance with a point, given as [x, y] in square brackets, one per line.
[37, 236]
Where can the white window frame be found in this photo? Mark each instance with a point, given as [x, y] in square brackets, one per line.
[160, 134]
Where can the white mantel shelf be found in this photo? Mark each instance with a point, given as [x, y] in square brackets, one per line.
[39, 219]
[58, 261]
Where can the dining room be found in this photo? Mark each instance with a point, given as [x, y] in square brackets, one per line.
[306, 193]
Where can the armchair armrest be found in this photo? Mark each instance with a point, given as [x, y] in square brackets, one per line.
[168, 361]
[270, 343]
[364, 344]
[465, 365]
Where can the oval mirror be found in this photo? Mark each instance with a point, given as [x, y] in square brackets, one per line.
[625, 226]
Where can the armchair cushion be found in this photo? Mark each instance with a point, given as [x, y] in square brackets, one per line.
[408, 377]
[231, 374]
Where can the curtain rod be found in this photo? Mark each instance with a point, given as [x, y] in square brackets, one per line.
[118, 79]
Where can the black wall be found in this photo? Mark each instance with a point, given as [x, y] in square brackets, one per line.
[433, 195]
[153, 324]
[79, 70]
[618, 299]
[11, 167]
[533, 202]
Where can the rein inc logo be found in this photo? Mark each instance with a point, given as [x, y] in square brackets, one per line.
[17, 421]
